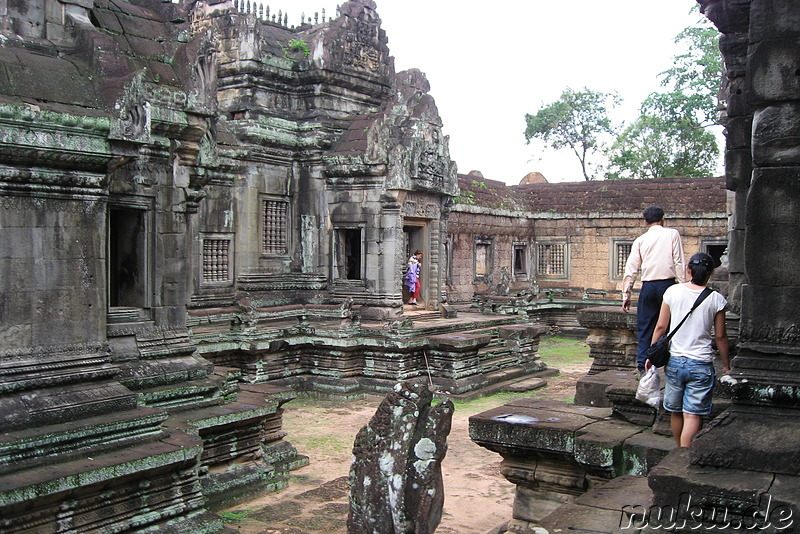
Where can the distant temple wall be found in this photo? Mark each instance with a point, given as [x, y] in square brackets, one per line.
[568, 249]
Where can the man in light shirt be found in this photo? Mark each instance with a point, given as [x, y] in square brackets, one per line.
[658, 254]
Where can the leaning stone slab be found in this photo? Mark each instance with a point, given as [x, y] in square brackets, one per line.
[529, 384]
[396, 481]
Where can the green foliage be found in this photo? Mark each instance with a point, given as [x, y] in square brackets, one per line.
[476, 183]
[654, 147]
[671, 137]
[233, 516]
[298, 45]
[578, 120]
[466, 197]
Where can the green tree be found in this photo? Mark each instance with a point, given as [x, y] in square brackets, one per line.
[578, 120]
[672, 135]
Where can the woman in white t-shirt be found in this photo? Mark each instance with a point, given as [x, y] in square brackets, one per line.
[690, 370]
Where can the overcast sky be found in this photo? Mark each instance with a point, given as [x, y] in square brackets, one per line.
[491, 64]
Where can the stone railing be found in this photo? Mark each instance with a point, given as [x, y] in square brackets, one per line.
[262, 12]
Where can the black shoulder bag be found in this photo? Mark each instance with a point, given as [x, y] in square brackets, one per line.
[658, 352]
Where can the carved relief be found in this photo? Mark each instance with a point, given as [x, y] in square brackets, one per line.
[133, 119]
[779, 334]
[414, 207]
[51, 204]
[359, 48]
[206, 70]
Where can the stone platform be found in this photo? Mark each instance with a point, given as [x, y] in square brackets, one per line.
[470, 354]
[555, 452]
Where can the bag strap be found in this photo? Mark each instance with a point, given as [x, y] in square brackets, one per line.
[700, 298]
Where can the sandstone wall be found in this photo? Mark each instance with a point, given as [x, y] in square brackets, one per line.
[587, 219]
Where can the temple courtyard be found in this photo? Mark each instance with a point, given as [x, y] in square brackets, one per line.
[478, 499]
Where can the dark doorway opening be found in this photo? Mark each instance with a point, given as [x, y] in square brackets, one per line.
[350, 253]
[126, 264]
[716, 252]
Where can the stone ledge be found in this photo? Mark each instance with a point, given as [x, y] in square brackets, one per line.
[591, 389]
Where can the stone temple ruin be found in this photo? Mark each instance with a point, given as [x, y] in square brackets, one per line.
[204, 211]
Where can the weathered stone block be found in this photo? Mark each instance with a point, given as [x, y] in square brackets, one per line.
[528, 425]
[772, 70]
[738, 168]
[765, 446]
[771, 237]
[396, 479]
[738, 132]
[590, 390]
[773, 19]
[598, 446]
[734, 53]
[776, 135]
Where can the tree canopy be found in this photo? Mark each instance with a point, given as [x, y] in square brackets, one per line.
[578, 120]
[672, 135]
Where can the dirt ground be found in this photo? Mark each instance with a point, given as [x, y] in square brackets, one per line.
[477, 497]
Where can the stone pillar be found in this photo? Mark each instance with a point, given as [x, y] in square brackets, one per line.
[612, 338]
[755, 441]
[765, 378]
[612, 346]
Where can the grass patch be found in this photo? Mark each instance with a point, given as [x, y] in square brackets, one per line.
[562, 352]
[329, 444]
[481, 404]
[233, 516]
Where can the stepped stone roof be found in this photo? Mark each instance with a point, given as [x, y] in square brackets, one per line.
[676, 195]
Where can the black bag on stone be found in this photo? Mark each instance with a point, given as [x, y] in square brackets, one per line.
[658, 352]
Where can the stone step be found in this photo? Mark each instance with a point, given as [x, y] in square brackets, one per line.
[137, 488]
[423, 316]
[53, 443]
[607, 509]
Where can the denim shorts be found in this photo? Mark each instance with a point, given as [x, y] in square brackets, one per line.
[689, 385]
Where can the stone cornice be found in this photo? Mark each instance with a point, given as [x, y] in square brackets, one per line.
[52, 139]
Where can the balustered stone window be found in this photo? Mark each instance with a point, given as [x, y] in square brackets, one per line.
[552, 259]
[217, 260]
[275, 234]
[621, 249]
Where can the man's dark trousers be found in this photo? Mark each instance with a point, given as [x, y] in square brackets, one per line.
[650, 298]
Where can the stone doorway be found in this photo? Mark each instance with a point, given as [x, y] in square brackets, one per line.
[415, 237]
[127, 258]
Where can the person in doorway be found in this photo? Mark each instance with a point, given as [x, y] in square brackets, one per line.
[412, 277]
[690, 370]
[658, 253]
